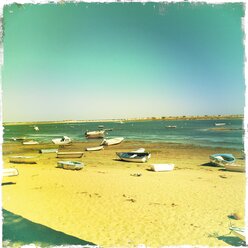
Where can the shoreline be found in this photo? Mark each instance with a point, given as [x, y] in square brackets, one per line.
[205, 117]
[105, 204]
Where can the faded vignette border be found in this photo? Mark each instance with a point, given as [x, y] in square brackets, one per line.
[245, 70]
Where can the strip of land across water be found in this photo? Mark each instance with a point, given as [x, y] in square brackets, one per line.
[184, 117]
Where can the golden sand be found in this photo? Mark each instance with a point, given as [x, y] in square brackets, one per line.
[105, 204]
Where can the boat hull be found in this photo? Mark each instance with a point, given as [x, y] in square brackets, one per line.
[222, 159]
[162, 167]
[114, 141]
[22, 159]
[10, 172]
[97, 148]
[69, 154]
[70, 165]
[136, 157]
[235, 168]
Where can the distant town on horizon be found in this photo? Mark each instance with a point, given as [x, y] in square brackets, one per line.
[183, 117]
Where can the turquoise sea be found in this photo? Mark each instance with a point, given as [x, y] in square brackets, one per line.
[195, 132]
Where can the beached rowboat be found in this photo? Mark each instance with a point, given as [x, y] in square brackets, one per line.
[69, 154]
[222, 159]
[10, 172]
[62, 141]
[96, 148]
[138, 157]
[70, 165]
[48, 150]
[162, 167]
[114, 141]
[220, 124]
[23, 159]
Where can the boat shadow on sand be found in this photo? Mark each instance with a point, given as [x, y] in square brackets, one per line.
[18, 231]
[233, 241]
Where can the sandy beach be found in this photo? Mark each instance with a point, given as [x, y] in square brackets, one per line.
[105, 204]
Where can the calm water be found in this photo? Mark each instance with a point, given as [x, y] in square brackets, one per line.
[195, 132]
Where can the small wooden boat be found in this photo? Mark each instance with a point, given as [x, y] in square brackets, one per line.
[62, 141]
[162, 167]
[220, 124]
[235, 167]
[30, 142]
[23, 159]
[69, 154]
[10, 172]
[222, 159]
[110, 142]
[239, 232]
[48, 150]
[137, 157]
[95, 134]
[70, 165]
[96, 148]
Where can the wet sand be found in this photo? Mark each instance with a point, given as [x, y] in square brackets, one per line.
[106, 204]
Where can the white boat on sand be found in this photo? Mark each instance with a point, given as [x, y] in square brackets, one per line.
[30, 142]
[162, 167]
[23, 159]
[62, 141]
[48, 150]
[10, 172]
[140, 150]
[96, 148]
[222, 159]
[114, 141]
[95, 134]
[137, 157]
[70, 165]
[69, 154]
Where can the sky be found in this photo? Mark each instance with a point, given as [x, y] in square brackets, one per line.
[84, 61]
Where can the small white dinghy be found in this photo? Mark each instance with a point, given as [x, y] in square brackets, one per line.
[162, 167]
[23, 159]
[96, 148]
[114, 141]
[10, 172]
[30, 142]
[235, 167]
[70, 165]
[48, 150]
[140, 150]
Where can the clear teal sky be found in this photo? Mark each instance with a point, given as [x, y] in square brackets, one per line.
[122, 60]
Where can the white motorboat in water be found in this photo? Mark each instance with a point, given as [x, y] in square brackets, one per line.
[70, 165]
[62, 141]
[114, 141]
[220, 124]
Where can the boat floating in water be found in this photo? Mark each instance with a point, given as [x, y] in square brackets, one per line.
[114, 141]
[162, 167]
[36, 128]
[138, 157]
[70, 165]
[23, 159]
[62, 141]
[170, 126]
[222, 159]
[220, 124]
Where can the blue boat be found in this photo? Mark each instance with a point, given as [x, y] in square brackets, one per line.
[222, 159]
